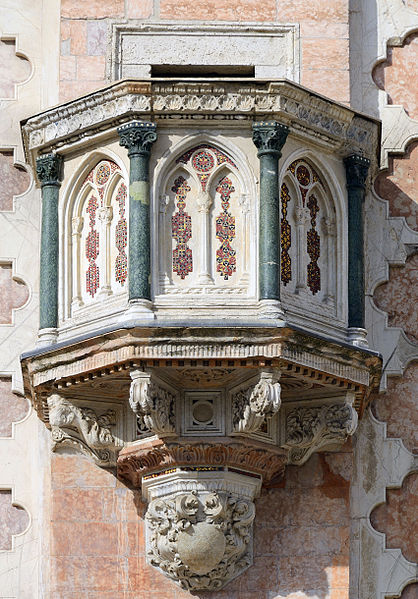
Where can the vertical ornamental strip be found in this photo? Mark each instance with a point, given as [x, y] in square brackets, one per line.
[356, 168]
[49, 168]
[138, 137]
[269, 138]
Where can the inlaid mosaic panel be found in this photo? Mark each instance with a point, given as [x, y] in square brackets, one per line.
[306, 179]
[121, 237]
[181, 227]
[225, 232]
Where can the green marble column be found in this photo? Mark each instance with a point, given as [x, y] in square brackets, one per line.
[138, 137]
[269, 138]
[49, 168]
[356, 168]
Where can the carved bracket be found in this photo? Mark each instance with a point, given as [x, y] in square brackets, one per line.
[310, 429]
[152, 404]
[252, 406]
[82, 427]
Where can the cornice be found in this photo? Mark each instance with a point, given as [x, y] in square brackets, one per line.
[239, 101]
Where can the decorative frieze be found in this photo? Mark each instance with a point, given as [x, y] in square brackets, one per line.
[311, 117]
[84, 428]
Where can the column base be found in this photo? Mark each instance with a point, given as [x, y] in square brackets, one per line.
[47, 336]
[269, 308]
[138, 308]
[357, 336]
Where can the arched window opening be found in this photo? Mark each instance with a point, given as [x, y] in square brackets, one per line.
[308, 235]
[99, 260]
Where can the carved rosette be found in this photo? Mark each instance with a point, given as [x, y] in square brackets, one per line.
[252, 406]
[152, 404]
[311, 429]
[83, 428]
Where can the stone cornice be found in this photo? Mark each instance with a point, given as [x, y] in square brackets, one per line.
[97, 115]
[300, 355]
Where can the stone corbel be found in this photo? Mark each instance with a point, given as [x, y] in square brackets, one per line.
[153, 405]
[310, 429]
[252, 406]
[82, 427]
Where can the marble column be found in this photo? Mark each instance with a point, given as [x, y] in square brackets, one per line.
[269, 138]
[356, 168]
[49, 168]
[138, 137]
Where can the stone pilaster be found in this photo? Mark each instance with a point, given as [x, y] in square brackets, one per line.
[269, 138]
[356, 168]
[138, 137]
[49, 170]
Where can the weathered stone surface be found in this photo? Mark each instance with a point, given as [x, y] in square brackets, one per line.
[13, 520]
[13, 69]
[14, 180]
[398, 515]
[13, 293]
[13, 407]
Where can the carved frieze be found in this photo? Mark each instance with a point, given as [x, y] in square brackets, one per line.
[84, 428]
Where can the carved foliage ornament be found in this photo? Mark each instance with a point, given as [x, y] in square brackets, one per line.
[201, 541]
[357, 168]
[153, 405]
[269, 137]
[49, 169]
[252, 406]
[138, 137]
[82, 427]
[310, 429]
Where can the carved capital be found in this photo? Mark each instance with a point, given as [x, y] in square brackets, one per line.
[356, 170]
[49, 169]
[269, 137]
[153, 405]
[138, 137]
[82, 427]
[253, 405]
[182, 526]
[311, 429]
[204, 202]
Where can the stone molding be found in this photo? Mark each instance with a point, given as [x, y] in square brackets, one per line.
[311, 116]
[138, 461]
[153, 405]
[253, 405]
[310, 429]
[273, 49]
[84, 428]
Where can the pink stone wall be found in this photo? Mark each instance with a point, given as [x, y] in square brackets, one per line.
[13, 69]
[301, 544]
[324, 35]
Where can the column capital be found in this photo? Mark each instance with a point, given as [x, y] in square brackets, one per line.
[138, 137]
[356, 170]
[269, 137]
[49, 169]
